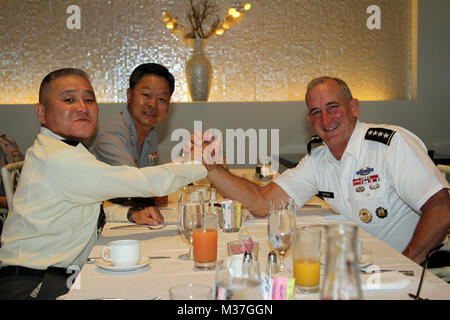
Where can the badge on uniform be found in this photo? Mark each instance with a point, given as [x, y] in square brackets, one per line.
[326, 194]
[153, 156]
[365, 216]
[374, 186]
[381, 212]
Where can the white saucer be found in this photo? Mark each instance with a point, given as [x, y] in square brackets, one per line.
[109, 266]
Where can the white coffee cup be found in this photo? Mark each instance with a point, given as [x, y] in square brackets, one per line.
[123, 253]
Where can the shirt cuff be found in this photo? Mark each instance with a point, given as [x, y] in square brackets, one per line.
[116, 213]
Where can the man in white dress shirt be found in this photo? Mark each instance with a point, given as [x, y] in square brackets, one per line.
[53, 222]
[378, 176]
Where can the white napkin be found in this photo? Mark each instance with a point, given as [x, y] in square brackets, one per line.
[392, 280]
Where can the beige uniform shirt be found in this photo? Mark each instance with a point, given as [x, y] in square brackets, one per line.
[57, 201]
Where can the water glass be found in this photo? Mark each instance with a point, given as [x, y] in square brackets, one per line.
[190, 209]
[190, 291]
[235, 281]
[281, 227]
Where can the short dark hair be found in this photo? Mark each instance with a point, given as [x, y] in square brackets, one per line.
[345, 90]
[149, 69]
[59, 74]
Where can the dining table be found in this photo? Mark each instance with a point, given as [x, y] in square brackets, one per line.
[166, 269]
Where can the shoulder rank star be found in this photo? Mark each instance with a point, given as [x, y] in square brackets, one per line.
[153, 156]
[365, 215]
[382, 135]
[381, 212]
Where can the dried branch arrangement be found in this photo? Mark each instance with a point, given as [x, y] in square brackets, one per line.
[203, 19]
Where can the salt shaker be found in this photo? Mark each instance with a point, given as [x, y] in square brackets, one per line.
[272, 264]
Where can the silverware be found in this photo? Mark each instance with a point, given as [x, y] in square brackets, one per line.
[91, 260]
[405, 272]
[159, 226]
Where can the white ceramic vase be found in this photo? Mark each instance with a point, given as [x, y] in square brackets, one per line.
[198, 72]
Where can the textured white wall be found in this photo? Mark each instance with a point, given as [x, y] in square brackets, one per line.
[270, 55]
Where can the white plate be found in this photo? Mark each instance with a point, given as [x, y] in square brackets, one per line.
[109, 266]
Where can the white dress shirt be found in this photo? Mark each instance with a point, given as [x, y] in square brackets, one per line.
[379, 186]
[57, 201]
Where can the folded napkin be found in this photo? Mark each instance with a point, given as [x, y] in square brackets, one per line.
[392, 280]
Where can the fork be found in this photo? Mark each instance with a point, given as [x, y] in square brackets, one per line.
[405, 272]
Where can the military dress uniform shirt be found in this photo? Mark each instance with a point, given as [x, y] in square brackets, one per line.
[56, 204]
[381, 182]
[116, 143]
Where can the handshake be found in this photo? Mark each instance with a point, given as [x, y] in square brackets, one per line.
[203, 147]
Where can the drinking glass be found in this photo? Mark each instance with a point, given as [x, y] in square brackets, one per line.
[236, 280]
[190, 291]
[204, 237]
[190, 210]
[306, 259]
[281, 227]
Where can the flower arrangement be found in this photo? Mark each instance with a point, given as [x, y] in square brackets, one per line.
[203, 19]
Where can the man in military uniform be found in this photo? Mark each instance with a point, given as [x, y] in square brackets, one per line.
[378, 176]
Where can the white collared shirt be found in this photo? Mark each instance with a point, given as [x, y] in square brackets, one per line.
[56, 204]
[394, 180]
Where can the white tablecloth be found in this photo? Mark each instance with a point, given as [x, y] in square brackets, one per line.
[156, 279]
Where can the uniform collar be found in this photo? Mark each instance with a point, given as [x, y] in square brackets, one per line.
[354, 144]
[353, 147]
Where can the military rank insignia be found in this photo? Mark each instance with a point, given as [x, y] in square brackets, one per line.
[365, 216]
[381, 135]
[381, 212]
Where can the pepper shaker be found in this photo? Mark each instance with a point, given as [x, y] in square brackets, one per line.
[272, 264]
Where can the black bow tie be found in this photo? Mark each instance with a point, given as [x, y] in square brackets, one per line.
[74, 143]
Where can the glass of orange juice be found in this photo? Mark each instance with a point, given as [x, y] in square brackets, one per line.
[306, 259]
[204, 240]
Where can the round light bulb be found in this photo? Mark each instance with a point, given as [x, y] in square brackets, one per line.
[166, 17]
[226, 25]
[236, 14]
[169, 25]
[219, 31]
[247, 6]
[232, 11]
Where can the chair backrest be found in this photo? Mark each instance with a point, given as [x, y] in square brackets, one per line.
[10, 177]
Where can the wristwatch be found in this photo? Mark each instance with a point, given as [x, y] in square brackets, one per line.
[131, 211]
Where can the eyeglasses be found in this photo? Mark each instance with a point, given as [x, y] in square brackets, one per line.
[425, 265]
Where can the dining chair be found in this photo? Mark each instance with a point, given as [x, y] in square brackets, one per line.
[10, 177]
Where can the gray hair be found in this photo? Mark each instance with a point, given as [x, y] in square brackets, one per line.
[345, 90]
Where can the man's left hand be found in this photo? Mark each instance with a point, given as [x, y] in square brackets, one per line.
[149, 215]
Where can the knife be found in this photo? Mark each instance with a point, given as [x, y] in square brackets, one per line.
[159, 226]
